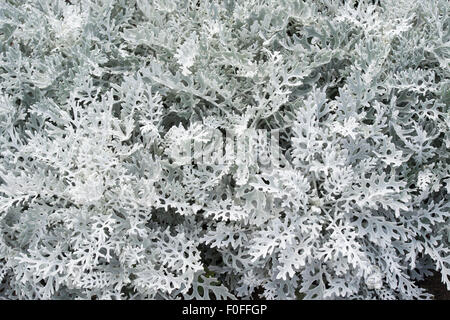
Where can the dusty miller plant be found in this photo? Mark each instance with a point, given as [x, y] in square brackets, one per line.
[95, 95]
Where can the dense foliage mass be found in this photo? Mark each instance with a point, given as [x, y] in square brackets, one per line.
[96, 95]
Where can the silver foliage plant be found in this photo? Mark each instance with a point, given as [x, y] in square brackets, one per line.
[96, 94]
